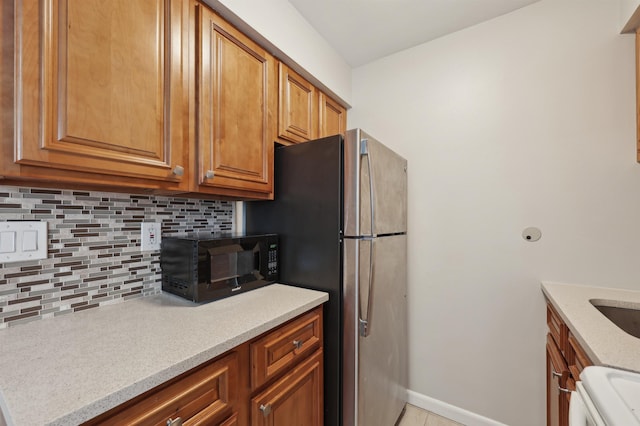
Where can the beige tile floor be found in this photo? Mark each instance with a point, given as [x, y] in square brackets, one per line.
[414, 416]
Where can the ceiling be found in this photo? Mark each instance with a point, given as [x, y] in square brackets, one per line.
[365, 30]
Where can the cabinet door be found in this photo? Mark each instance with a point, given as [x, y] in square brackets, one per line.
[297, 115]
[295, 399]
[101, 89]
[557, 378]
[236, 100]
[557, 328]
[333, 117]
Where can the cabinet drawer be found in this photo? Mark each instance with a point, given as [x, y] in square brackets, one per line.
[576, 357]
[202, 397]
[231, 421]
[557, 328]
[278, 350]
[210, 421]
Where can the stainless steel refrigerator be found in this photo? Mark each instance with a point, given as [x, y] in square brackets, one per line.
[340, 211]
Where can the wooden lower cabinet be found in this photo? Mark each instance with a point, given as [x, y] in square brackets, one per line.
[295, 399]
[276, 351]
[206, 419]
[226, 391]
[231, 421]
[576, 357]
[557, 375]
[205, 396]
[565, 361]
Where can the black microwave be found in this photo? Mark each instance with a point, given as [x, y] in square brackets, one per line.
[207, 267]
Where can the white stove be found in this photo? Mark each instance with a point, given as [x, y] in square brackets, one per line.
[606, 397]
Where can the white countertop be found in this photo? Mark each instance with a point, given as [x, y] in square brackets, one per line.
[69, 369]
[603, 341]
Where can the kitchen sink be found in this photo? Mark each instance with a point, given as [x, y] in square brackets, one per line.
[627, 318]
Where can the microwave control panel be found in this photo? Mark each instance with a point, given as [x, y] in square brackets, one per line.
[272, 262]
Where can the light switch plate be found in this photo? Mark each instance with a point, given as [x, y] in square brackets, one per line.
[7, 241]
[23, 240]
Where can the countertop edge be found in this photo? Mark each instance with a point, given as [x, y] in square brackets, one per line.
[16, 410]
[604, 343]
[550, 297]
[98, 407]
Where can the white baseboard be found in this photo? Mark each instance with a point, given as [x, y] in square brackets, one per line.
[449, 411]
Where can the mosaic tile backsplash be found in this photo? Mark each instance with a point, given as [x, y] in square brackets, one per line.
[94, 248]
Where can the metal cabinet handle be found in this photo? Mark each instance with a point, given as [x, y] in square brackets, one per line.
[554, 373]
[565, 390]
[178, 171]
[266, 409]
[210, 174]
[297, 343]
[176, 422]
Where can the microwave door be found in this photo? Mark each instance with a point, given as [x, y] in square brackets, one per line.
[224, 265]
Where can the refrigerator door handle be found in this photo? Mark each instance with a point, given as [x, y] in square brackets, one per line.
[366, 152]
[365, 320]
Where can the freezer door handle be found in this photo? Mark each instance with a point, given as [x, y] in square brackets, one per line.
[365, 316]
[366, 152]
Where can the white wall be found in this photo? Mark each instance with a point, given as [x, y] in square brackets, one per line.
[627, 8]
[280, 23]
[525, 120]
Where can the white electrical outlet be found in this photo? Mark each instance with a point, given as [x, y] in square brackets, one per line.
[150, 236]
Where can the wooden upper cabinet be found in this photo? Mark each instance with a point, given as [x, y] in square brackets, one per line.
[160, 95]
[304, 112]
[333, 117]
[236, 100]
[106, 81]
[297, 114]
